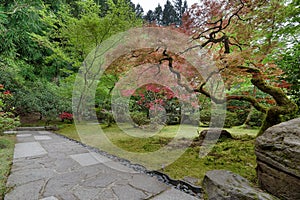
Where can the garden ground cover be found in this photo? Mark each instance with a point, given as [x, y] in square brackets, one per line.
[236, 155]
[6, 156]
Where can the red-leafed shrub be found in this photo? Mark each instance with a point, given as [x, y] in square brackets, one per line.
[66, 116]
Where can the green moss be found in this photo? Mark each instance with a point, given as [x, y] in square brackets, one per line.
[234, 155]
[6, 156]
[69, 130]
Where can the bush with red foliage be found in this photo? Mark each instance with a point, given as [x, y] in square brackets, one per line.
[66, 116]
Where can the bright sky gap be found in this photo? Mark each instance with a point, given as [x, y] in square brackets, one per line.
[152, 4]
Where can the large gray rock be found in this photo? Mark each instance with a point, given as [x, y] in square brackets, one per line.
[225, 185]
[278, 160]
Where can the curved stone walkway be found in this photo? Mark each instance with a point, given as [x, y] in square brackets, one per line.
[49, 167]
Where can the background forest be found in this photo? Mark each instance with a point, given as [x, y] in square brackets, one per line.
[43, 44]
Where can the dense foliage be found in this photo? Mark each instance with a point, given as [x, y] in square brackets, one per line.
[245, 38]
[7, 119]
[43, 43]
[156, 102]
[255, 45]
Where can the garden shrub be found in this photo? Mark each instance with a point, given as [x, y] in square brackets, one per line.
[157, 99]
[139, 118]
[241, 109]
[104, 116]
[100, 114]
[66, 116]
[205, 116]
[256, 118]
[8, 121]
[231, 118]
[241, 115]
[7, 118]
[173, 118]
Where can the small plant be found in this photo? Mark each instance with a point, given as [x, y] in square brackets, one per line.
[66, 116]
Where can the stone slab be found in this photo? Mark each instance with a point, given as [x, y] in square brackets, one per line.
[278, 160]
[10, 132]
[126, 192]
[23, 135]
[87, 193]
[85, 159]
[100, 158]
[29, 191]
[42, 137]
[28, 149]
[25, 176]
[148, 184]
[50, 198]
[112, 164]
[173, 194]
[44, 132]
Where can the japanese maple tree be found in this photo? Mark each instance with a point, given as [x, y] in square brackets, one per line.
[241, 36]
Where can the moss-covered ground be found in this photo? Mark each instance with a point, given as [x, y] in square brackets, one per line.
[236, 155]
[6, 156]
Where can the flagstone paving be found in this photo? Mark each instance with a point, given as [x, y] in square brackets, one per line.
[50, 167]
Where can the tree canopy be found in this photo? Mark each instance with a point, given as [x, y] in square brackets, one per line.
[254, 43]
[243, 37]
[43, 43]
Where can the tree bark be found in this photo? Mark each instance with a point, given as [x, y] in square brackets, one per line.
[283, 104]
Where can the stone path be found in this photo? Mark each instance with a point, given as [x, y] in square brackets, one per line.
[49, 167]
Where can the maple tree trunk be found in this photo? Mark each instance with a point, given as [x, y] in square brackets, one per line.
[273, 115]
[272, 118]
[284, 104]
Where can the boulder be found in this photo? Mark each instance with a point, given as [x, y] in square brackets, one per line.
[225, 185]
[214, 133]
[278, 160]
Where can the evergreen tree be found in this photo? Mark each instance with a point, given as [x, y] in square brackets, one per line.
[150, 16]
[180, 8]
[169, 15]
[139, 11]
[158, 14]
